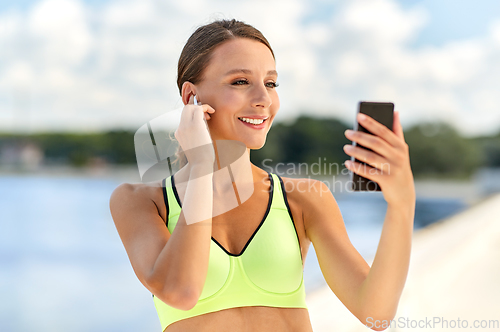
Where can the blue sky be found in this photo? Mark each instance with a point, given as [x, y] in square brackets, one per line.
[96, 65]
[448, 19]
[455, 20]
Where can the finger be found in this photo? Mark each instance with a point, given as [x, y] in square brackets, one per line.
[206, 110]
[202, 111]
[398, 129]
[378, 129]
[188, 111]
[371, 158]
[364, 170]
[191, 100]
[373, 142]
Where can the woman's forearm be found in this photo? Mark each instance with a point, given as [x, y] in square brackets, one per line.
[381, 290]
[181, 268]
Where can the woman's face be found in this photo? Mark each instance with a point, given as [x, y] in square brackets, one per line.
[239, 84]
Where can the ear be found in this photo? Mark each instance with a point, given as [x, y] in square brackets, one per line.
[188, 90]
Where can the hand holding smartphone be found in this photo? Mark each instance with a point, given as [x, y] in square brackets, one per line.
[383, 113]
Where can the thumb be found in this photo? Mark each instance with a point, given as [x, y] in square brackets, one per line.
[397, 128]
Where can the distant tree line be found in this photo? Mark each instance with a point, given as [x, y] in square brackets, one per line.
[436, 149]
[115, 147]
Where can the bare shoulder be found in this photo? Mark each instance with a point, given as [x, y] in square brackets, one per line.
[137, 188]
[304, 188]
[306, 192]
[138, 215]
[128, 195]
[314, 200]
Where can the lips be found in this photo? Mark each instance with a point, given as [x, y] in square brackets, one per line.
[254, 122]
[255, 116]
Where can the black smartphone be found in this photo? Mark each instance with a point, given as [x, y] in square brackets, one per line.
[383, 113]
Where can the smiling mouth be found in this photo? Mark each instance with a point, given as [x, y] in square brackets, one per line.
[252, 121]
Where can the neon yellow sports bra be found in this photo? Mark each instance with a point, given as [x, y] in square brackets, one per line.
[267, 272]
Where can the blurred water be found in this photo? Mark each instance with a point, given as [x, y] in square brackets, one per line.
[63, 266]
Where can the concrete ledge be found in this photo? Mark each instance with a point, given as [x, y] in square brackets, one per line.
[454, 274]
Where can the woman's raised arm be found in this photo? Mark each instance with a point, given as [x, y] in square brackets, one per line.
[369, 293]
[389, 166]
[172, 266]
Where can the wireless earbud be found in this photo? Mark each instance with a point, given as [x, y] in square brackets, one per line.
[195, 100]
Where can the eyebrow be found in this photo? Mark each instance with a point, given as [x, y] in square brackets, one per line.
[247, 71]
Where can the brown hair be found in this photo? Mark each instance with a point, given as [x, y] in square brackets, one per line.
[196, 54]
[198, 50]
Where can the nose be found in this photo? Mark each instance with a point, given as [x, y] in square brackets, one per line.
[261, 97]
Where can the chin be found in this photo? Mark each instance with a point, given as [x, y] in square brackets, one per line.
[252, 143]
[256, 145]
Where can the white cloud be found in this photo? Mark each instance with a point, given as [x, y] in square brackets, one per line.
[495, 32]
[115, 65]
[380, 21]
[20, 74]
[61, 31]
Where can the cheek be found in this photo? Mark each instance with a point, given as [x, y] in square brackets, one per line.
[230, 98]
[276, 103]
[228, 102]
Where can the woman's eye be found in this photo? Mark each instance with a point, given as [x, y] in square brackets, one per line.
[272, 84]
[240, 82]
[244, 82]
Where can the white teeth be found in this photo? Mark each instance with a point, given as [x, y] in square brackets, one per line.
[252, 121]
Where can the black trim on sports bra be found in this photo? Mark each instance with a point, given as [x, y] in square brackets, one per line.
[175, 191]
[289, 210]
[269, 203]
[164, 189]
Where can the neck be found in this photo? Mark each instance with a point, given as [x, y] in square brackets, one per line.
[234, 168]
[232, 164]
[233, 183]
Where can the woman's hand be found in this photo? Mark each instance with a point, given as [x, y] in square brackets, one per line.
[388, 164]
[193, 134]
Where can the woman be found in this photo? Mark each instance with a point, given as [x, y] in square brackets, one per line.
[241, 270]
